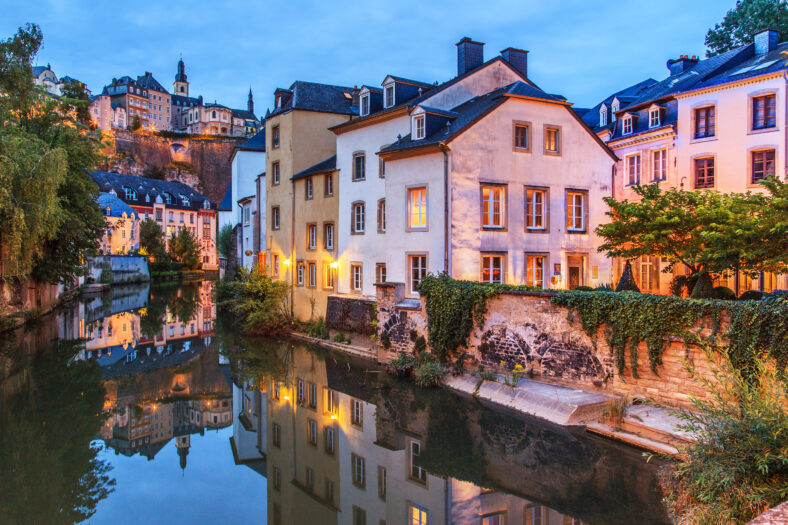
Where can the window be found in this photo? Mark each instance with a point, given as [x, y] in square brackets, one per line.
[648, 273]
[311, 237]
[522, 137]
[330, 440]
[388, 96]
[418, 127]
[275, 265]
[494, 519]
[130, 194]
[300, 394]
[492, 268]
[310, 479]
[277, 479]
[382, 216]
[358, 166]
[380, 272]
[358, 467]
[575, 211]
[603, 115]
[704, 122]
[356, 275]
[417, 207]
[704, 172]
[382, 166]
[764, 112]
[382, 483]
[329, 187]
[275, 138]
[633, 169]
[534, 515]
[359, 516]
[356, 413]
[159, 214]
[552, 140]
[275, 177]
[418, 270]
[534, 270]
[329, 490]
[659, 165]
[535, 209]
[277, 390]
[328, 276]
[328, 236]
[364, 105]
[627, 125]
[357, 219]
[309, 188]
[311, 431]
[247, 215]
[762, 165]
[275, 218]
[653, 118]
[171, 217]
[417, 515]
[493, 206]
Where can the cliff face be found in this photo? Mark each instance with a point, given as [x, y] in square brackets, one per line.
[201, 162]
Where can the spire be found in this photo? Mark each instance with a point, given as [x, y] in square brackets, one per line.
[180, 76]
[250, 102]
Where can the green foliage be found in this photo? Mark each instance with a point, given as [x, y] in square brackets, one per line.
[224, 242]
[683, 284]
[385, 340]
[420, 344]
[627, 281]
[488, 375]
[48, 216]
[152, 239]
[185, 249]
[758, 328]
[136, 123]
[402, 365]
[752, 295]
[429, 374]
[739, 466]
[741, 23]
[584, 288]
[258, 302]
[106, 276]
[724, 293]
[615, 411]
[454, 307]
[317, 329]
[704, 287]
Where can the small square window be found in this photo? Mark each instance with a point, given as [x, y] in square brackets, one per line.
[522, 137]
[552, 140]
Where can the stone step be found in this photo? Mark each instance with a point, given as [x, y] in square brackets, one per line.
[656, 423]
[635, 440]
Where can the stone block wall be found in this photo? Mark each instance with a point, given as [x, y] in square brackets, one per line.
[527, 328]
[349, 313]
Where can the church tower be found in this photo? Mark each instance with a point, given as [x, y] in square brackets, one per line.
[250, 102]
[183, 443]
[181, 85]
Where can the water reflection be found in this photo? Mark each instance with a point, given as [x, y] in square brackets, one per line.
[142, 407]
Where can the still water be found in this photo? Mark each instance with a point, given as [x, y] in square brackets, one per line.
[143, 407]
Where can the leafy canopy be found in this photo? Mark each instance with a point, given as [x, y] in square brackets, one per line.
[742, 22]
[184, 248]
[152, 238]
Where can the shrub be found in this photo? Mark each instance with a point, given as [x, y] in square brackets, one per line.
[751, 295]
[413, 335]
[429, 374]
[683, 284]
[402, 366]
[627, 281]
[488, 375]
[584, 289]
[484, 348]
[605, 287]
[739, 466]
[420, 344]
[339, 337]
[615, 411]
[385, 340]
[106, 276]
[723, 292]
[318, 329]
[257, 302]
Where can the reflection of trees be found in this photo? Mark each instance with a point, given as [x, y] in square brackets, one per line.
[50, 472]
[182, 301]
[254, 358]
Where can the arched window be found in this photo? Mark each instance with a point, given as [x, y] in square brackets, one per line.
[603, 115]
[213, 114]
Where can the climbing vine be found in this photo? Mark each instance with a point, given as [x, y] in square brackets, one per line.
[455, 307]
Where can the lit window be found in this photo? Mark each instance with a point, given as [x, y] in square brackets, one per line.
[417, 206]
[418, 270]
[492, 268]
[535, 515]
[575, 211]
[494, 519]
[328, 276]
[659, 165]
[633, 169]
[356, 282]
[535, 209]
[534, 270]
[764, 112]
[276, 265]
[312, 280]
[417, 516]
[493, 206]
[552, 140]
[358, 217]
[763, 163]
[704, 172]
[418, 127]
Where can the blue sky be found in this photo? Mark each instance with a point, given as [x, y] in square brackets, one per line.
[581, 49]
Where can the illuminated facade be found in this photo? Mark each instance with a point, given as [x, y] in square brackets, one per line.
[122, 233]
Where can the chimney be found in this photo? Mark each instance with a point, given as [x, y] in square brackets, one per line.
[517, 58]
[470, 54]
[766, 41]
[682, 64]
[354, 94]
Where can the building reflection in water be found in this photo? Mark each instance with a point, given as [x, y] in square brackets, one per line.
[339, 443]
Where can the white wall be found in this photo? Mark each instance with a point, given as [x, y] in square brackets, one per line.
[246, 166]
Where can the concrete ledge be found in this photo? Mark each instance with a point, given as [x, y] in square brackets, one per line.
[774, 516]
[358, 351]
[554, 403]
[632, 439]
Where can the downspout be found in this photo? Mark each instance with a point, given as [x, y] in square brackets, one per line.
[446, 196]
[292, 252]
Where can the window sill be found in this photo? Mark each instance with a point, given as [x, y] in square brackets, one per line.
[763, 130]
[356, 233]
[522, 150]
[576, 232]
[494, 229]
[552, 153]
[358, 180]
[537, 230]
[697, 140]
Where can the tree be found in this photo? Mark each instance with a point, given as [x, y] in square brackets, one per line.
[136, 123]
[48, 216]
[184, 249]
[224, 241]
[741, 23]
[705, 230]
[152, 239]
[75, 94]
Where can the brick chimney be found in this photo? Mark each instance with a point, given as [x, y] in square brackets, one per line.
[766, 41]
[682, 64]
[517, 58]
[470, 54]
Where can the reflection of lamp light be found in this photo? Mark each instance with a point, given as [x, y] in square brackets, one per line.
[334, 265]
[333, 416]
[286, 262]
[287, 398]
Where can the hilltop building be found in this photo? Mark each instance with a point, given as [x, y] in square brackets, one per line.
[45, 78]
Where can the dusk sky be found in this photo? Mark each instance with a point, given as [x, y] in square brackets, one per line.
[580, 49]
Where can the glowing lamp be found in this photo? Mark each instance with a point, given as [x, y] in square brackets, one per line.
[286, 262]
[334, 265]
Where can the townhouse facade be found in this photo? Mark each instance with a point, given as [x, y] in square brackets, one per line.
[712, 124]
[298, 138]
[122, 233]
[144, 98]
[172, 205]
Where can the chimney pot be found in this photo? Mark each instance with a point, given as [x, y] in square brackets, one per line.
[470, 54]
[517, 58]
[766, 41]
[681, 64]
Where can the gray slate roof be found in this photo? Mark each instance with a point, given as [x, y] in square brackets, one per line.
[147, 81]
[256, 143]
[311, 96]
[321, 167]
[227, 200]
[152, 187]
[626, 95]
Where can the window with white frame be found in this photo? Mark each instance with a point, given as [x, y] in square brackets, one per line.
[603, 115]
[388, 96]
[247, 211]
[356, 277]
[417, 515]
[416, 473]
[312, 267]
[275, 218]
[328, 276]
[130, 194]
[418, 127]
[359, 160]
[356, 413]
[357, 218]
[364, 102]
[380, 273]
[633, 169]
[358, 470]
[659, 165]
[418, 270]
[309, 188]
[627, 125]
[535, 515]
[534, 270]
[275, 176]
[275, 265]
[417, 207]
[300, 271]
[493, 206]
[311, 237]
[653, 118]
[576, 211]
[328, 235]
[492, 268]
[382, 216]
[329, 188]
[535, 209]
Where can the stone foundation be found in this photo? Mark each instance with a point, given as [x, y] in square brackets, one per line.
[349, 313]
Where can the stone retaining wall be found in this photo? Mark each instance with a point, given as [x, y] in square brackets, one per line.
[527, 328]
[349, 313]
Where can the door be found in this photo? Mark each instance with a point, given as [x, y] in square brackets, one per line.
[575, 271]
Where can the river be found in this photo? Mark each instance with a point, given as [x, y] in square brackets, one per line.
[143, 406]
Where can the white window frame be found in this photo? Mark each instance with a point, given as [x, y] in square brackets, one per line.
[419, 127]
[531, 209]
[421, 269]
[364, 105]
[356, 277]
[662, 153]
[573, 207]
[388, 95]
[309, 188]
[653, 118]
[312, 275]
[496, 194]
[634, 165]
[359, 217]
[534, 275]
[300, 273]
[311, 237]
[488, 264]
[422, 207]
[328, 235]
[603, 115]
[626, 125]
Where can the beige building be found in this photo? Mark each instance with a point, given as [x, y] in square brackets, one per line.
[298, 140]
[143, 98]
[122, 233]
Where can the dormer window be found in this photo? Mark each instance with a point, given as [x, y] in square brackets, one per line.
[278, 102]
[603, 115]
[130, 194]
[388, 96]
[627, 125]
[147, 198]
[615, 106]
[418, 127]
[364, 105]
[653, 118]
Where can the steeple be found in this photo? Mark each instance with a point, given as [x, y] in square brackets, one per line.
[180, 76]
[181, 84]
[250, 102]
